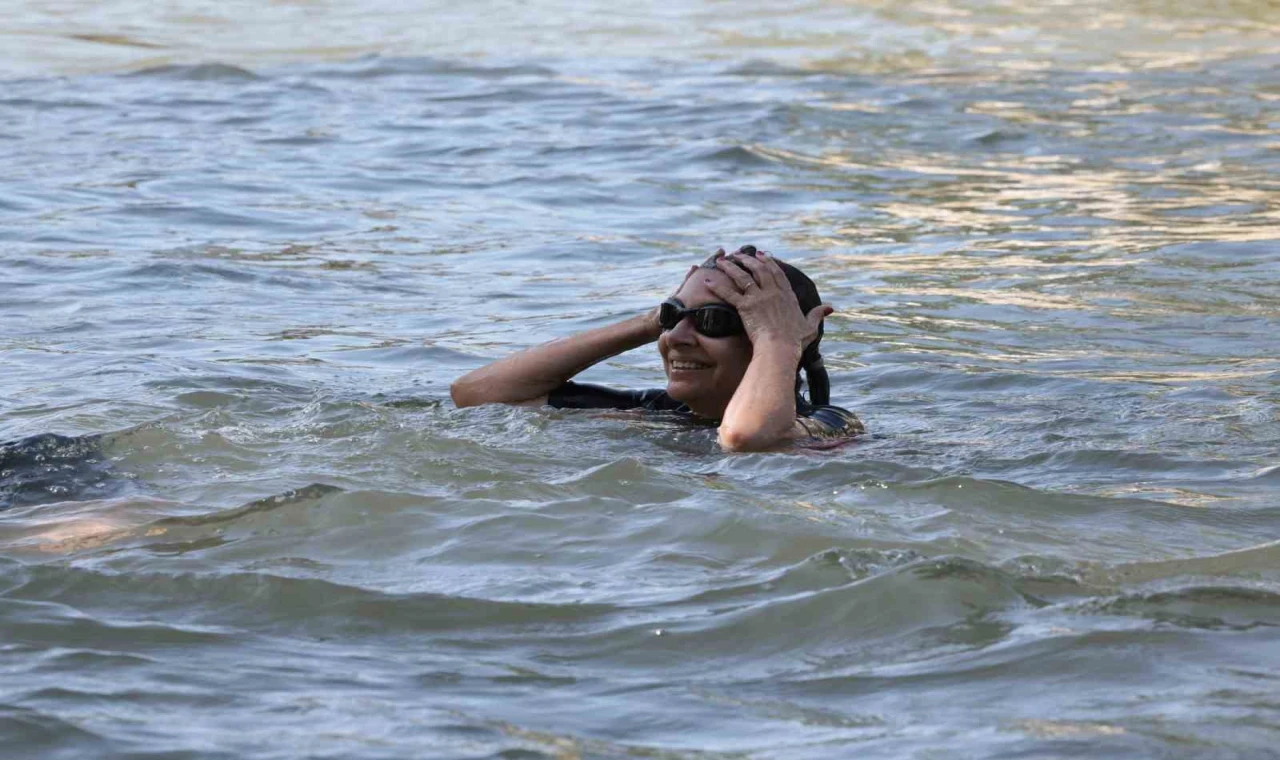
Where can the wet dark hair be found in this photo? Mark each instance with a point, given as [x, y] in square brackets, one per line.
[815, 373]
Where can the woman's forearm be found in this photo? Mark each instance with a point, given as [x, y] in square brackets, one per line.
[762, 412]
[533, 373]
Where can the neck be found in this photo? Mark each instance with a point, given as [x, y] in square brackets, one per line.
[705, 408]
[707, 412]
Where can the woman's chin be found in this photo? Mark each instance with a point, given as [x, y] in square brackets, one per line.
[681, 387]
[687, 392]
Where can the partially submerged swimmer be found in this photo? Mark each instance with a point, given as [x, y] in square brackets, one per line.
[734, 339]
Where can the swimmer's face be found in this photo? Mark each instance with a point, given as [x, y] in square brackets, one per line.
[702, 372]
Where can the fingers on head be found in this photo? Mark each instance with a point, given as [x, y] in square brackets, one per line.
[751, 264]
[779, 276]
[723, 290]
[759, 265]
[734, 272]
[766, 270]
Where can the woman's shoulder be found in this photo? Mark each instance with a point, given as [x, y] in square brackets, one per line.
[826, 422]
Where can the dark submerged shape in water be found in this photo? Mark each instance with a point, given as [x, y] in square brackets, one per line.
[48, 467]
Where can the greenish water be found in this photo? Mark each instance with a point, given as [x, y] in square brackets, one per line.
[244, 250]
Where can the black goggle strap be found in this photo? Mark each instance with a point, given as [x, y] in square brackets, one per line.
[815, 373]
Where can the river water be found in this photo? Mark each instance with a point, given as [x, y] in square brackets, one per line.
[246, 247]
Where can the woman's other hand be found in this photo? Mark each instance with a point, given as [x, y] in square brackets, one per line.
[770, 313]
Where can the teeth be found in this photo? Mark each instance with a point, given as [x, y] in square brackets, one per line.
[688, 365]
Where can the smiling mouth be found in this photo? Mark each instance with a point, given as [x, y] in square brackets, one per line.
[688, 366]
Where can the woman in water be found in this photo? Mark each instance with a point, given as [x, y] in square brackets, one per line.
[734, 340]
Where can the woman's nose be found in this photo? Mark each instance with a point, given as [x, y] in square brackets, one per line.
[683, 332]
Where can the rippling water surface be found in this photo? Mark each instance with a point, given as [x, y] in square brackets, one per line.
[247, 246]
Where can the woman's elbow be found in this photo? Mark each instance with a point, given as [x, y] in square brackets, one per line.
[741, 442]
[464, 394]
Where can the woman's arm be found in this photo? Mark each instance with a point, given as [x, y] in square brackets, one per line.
[528, 376]
[762, 413]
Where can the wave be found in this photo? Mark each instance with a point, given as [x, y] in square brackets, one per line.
[379, 66]
[1208, 607]
[289, 498]
[201, 72]
[214, 606]
[30, 728]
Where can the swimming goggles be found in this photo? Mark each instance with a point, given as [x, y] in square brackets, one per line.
[714, 320]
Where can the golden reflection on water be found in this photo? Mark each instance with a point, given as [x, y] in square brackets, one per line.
[993, 296]
[927, 263]
[869, 36]
[1139, 208]
[1065, 729]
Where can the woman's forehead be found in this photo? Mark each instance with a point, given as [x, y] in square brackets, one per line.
[695, 293]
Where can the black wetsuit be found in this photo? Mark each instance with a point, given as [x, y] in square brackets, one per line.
[824, 422]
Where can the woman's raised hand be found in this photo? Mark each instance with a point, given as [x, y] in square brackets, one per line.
[759, 290]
